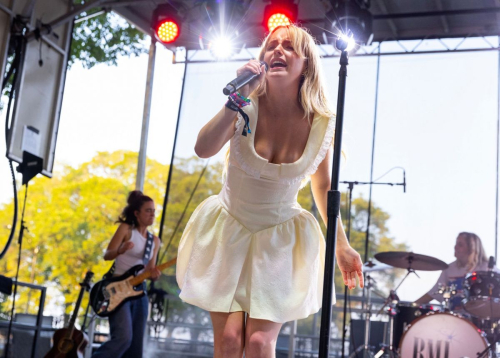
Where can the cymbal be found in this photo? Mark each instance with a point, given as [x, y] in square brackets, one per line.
[405, 260]
[371, 266]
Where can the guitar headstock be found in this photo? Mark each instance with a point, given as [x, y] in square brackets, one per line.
[86, 281]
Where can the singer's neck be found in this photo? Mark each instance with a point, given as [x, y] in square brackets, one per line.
[281, 101]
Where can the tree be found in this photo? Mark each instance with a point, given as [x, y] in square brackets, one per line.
[103, 38]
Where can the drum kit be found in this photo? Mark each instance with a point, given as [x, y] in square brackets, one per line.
[430, 331]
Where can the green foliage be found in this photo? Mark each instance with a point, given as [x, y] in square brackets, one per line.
[103, 38]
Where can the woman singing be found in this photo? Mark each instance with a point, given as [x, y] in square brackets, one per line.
[127, 248]
[252, 250]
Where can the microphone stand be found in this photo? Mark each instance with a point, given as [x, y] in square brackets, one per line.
[333, 207]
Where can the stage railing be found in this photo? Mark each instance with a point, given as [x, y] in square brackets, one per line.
[31, 333]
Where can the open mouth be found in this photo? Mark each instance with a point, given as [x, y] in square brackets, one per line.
[278, 64]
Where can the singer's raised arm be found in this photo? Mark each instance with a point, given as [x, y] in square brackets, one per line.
[216, 133]
[219, 130]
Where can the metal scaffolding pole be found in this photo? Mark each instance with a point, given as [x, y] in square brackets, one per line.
[141, 163]
[498, 157]
[174, 146]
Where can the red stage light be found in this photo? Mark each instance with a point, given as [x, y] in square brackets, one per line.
[280, 13]
[276, 20]
[167, 31]
[166, 24]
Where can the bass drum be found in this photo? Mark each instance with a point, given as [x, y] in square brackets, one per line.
[442, 335]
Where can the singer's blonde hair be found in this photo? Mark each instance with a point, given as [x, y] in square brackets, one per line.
[477, 255]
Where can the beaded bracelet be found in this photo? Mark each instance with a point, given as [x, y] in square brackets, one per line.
[235, 102]
[240, 100]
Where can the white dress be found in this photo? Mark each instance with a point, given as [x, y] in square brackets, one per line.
[253, 248]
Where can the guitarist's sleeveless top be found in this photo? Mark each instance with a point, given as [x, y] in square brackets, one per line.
[133, 256]
[253, 248]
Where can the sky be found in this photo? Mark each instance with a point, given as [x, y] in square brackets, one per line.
[436, 118]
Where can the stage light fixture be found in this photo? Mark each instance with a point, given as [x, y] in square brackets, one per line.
[219, 29]
[349, 39]
[221, 48]
[279, 13]
[166, 24]
[349, 15]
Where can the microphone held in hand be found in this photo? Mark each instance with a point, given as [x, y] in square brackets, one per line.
[241, 80]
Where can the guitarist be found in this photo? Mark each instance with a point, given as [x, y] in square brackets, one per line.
[129, 247]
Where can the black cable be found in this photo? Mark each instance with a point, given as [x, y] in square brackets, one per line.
[14, 219]
[15, 70]
[184, 212]
[17, 274]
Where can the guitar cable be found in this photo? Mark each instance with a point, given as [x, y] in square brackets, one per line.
[13, 71]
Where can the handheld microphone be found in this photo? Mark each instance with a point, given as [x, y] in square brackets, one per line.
[241, 80]
[404, 181]
[491, 263]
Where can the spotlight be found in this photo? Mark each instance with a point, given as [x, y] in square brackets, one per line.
[350, 15]
[348, 42]
[219, 30]
[280, 12]
[166, 24]
[222, 48]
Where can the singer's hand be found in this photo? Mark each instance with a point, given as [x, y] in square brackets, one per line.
[253, 66]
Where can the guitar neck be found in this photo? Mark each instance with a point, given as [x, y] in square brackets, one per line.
[147, 274]
[72, 321]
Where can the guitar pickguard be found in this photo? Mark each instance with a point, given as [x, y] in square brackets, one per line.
[118, 291]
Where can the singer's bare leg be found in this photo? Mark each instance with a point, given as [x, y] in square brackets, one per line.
[260, 338]
[229, 334]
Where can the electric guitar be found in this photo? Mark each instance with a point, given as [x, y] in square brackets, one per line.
[70, 342]
[109, 294]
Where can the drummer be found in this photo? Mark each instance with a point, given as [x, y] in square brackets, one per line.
[470, 255]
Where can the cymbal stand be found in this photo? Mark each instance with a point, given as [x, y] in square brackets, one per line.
[491, 347]
[389, 350]
[364, 350]
[392, 301]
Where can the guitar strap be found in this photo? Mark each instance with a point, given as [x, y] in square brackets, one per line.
[148, 252]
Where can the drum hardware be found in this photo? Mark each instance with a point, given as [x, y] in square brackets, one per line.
[390, 306]
[493, 336]
[371, 266]
[364, 349]
[448, 292]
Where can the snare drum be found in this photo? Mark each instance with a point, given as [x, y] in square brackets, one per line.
[482, 294]
[443, 335]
